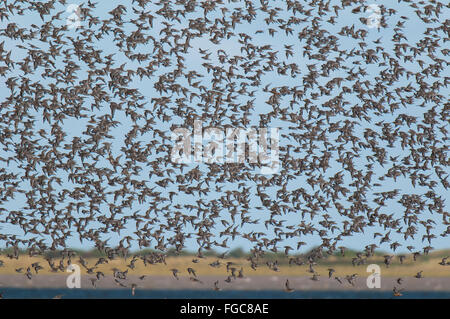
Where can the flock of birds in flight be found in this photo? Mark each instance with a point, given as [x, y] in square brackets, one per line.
[364, 116]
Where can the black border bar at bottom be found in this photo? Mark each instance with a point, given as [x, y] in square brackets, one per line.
[219, 308]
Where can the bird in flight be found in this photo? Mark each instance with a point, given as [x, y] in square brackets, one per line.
[287, 287]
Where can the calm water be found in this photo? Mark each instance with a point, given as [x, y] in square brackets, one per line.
[199, 294]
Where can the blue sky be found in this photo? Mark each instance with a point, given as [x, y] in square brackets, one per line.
[413, 31]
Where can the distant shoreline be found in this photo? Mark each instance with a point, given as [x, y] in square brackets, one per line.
[299, 283]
